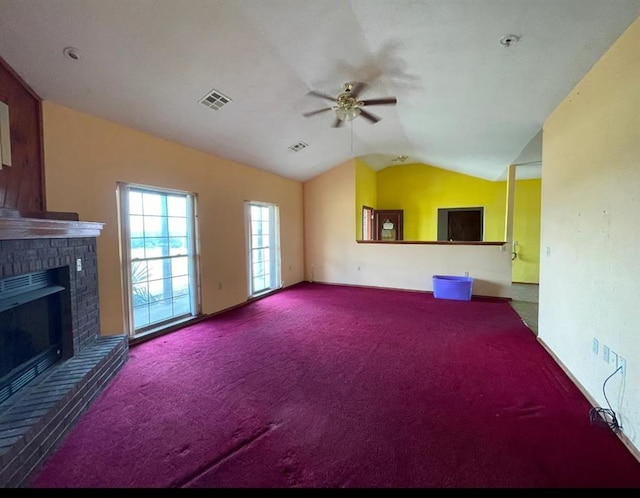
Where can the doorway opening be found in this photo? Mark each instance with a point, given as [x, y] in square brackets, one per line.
[389, 224]
[461, 224]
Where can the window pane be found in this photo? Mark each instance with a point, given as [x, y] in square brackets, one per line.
[153, 226]
[259, 283]
[179, 266]
[180, 286]
[178, 246]
[152, 204]
[176, 206]
[177, 227]
[156, 247]
[139, 272]
[136, 226]
[140, 316]
[182, 304]
[135, 203]
[158, 268]
[160, 310]
[141, 295]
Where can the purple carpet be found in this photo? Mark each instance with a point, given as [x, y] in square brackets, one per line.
[322, 386]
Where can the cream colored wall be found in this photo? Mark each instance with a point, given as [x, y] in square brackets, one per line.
[333, 256]
[366, 192]
[590, 276]
[85, 156]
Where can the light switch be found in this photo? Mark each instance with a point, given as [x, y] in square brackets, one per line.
[78, 264]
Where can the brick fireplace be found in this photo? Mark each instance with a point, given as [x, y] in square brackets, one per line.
[35, 418]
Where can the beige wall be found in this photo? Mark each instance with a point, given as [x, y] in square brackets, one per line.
[589, 271]
[85, 156]
[333, 256]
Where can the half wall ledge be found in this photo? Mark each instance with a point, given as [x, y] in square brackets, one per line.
[433, 242]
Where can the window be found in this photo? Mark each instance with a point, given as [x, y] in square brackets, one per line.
[263, 243]
[159, 261]
[367, 223]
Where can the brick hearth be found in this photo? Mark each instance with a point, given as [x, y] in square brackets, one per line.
[35, 420]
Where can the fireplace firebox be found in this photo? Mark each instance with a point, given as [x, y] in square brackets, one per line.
[32, 326]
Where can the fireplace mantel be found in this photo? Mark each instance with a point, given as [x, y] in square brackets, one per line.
[38, 228]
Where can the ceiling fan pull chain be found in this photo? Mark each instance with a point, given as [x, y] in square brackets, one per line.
[352, 138]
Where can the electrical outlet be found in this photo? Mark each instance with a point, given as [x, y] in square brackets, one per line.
[613, 359]
[622, 365]
[78, 264]
[595, 346]
[605, 353]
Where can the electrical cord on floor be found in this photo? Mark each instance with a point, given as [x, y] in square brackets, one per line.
[605, 417]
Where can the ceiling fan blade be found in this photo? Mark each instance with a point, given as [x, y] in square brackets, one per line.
[369, 116]
[321, 95]
[313, 113]
[386, 101]
[337, 123]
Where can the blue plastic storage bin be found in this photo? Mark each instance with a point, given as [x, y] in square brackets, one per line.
[452, 287]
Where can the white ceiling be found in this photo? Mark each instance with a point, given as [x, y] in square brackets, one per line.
[465, 102]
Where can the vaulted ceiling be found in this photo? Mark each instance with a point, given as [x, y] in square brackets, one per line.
[468, 99]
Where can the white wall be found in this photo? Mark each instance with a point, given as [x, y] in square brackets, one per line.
[590, 279]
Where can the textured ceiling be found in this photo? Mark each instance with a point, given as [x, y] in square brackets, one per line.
[465, 102]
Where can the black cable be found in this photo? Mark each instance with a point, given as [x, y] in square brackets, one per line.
[605, 417]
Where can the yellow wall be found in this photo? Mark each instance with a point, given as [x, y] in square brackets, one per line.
[86, 156]
[366, 192]
[526, 231]
[420, 190]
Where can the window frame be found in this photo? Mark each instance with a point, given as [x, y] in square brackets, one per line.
[193, 253]
[275, 261]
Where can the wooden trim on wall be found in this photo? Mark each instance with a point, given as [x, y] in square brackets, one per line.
[34, 228]
[19, 78]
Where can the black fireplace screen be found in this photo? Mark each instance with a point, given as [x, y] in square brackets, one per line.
[30, 328]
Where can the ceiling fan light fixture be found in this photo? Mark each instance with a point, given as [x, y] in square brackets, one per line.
[347, 113]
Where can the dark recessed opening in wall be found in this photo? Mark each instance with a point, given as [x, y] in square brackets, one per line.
[35, 326]
[461, 224]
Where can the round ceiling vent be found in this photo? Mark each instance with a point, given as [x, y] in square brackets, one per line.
[72, 53]
[508, 40]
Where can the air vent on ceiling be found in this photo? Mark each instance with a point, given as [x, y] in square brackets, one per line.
[298, 146]
[215, 100]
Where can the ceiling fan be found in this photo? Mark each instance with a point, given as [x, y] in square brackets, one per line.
[348, 106]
